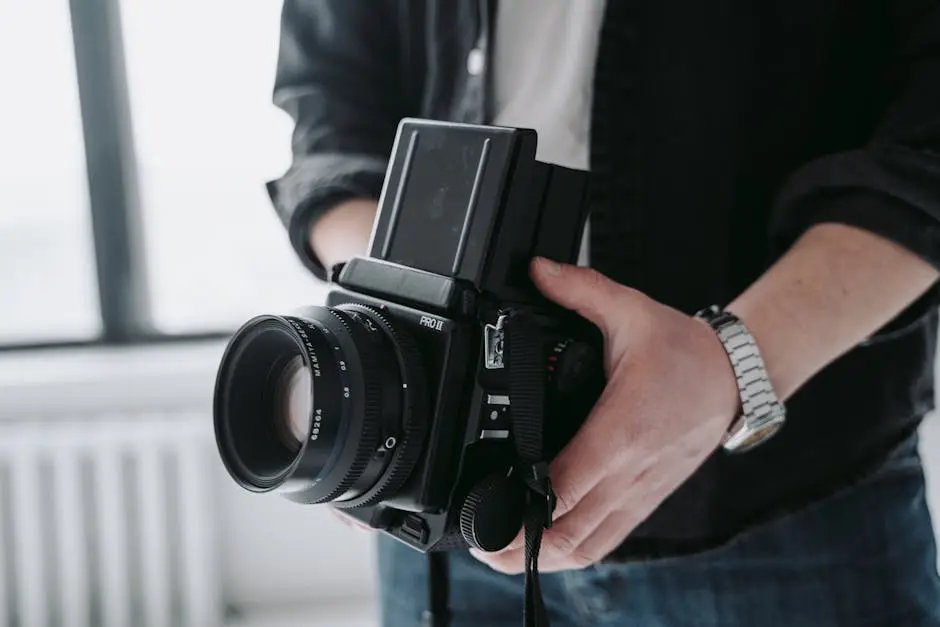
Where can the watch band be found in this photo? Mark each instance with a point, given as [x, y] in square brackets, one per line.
[762, 413]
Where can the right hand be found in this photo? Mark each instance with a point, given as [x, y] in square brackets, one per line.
[343, 232]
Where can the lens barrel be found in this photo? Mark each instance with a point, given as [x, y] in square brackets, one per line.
[327, 406]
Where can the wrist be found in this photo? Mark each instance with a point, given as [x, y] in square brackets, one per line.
[784, 361]
[760, 412]
[835, 287]
[343, 231]
[725, 381]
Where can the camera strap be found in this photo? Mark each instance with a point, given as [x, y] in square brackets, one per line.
[525, 363]
[524, 360]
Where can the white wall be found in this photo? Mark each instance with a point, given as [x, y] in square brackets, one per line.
[275, 551]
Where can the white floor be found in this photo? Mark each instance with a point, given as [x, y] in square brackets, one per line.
[347, 614]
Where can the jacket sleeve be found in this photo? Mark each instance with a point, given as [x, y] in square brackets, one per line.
[891, 186]
[340, 76]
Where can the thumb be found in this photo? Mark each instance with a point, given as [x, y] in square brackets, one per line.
[583, 290]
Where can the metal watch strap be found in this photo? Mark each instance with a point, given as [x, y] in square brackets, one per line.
[762, 413]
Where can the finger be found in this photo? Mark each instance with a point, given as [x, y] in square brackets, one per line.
[573, 526]
[565, 534]
[587, 489]
[577, 470]
[517, 542]
[592, 454]
[506, 562]
[584, 290]
[575, 473]
[606, 537]
[570, 530]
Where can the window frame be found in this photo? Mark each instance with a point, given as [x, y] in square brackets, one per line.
[112, 177]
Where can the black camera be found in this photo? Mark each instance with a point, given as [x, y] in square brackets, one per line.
[437, 382]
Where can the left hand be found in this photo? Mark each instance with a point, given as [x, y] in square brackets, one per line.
[670, 397]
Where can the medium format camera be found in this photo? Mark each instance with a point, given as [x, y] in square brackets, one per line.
[428, 394]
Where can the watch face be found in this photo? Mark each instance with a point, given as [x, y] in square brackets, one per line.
[758, 435]
[750, 436]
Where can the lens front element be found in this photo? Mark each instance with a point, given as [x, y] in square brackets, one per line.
[293, 404]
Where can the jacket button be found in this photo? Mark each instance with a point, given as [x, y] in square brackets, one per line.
[476, 61]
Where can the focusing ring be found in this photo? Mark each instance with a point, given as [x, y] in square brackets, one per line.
[414, 412]
[368, 439]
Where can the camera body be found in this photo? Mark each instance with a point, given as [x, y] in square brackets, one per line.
[411, 428]
[445, 275]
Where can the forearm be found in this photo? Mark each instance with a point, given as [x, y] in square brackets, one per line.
[344, 231]
[834, 288]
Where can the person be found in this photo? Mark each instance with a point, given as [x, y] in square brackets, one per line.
[778, 159]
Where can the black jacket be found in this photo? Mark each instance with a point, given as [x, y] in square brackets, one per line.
[720, 131]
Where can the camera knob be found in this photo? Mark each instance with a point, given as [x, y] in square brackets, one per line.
[492, 513]
[577, 363]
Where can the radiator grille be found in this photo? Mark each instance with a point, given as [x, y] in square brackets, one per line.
[108, 521]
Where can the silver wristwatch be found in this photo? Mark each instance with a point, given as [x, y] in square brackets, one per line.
[762, 413]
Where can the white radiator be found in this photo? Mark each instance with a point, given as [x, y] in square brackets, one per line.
[108, 521]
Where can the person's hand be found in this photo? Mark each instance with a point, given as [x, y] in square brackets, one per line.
[343, 232]
[671, 396]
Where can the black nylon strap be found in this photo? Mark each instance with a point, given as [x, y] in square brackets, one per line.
[525, 365]
[523, 360]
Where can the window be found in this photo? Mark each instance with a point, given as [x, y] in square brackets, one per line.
[207, 138]
[135, 145]
[47, 267]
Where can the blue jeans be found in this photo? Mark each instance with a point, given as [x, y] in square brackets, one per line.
[864, 557]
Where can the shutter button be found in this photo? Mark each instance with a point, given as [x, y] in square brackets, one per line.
[476, 61]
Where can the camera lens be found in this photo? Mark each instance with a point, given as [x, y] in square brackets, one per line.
[326, 406]
[293, 403]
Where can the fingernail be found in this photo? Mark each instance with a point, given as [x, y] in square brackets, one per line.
[549, 267]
